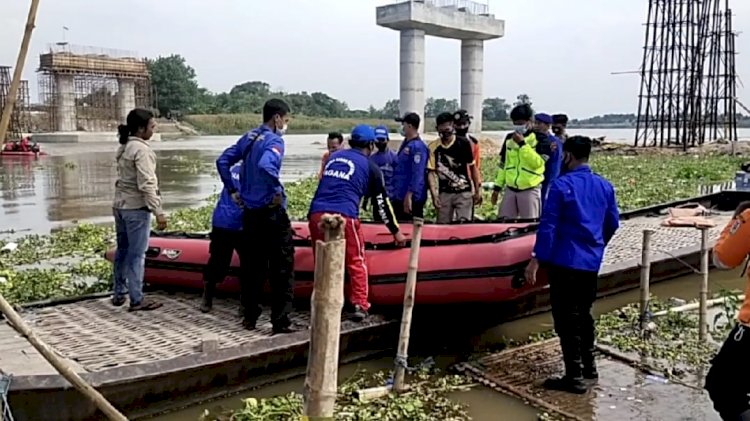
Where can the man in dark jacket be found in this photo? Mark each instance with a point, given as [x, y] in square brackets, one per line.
[580, 216]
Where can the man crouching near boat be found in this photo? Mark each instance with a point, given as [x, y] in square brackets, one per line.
[727, 380]
[226, 238]
[579, 218]
[348, 176]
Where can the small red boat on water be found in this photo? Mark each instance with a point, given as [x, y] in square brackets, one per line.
[462, 263]
[22, 153]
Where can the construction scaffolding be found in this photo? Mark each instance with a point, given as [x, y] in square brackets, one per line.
[20, 119]
[91, 89]
[688, 80]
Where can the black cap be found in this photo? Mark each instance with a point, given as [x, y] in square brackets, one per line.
[462, 116]
[578, 146]
[560, 119]
[412, 119]
[443, 118]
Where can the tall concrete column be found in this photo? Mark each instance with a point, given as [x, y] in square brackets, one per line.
[472, 80]
[412, 72]
[125, 97]
[65, 110]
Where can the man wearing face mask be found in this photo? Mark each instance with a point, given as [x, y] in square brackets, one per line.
[450, 165]
[521, 168]
[462, 122]
[559, 126]
[267, 231]
[385, 159]
[542, 123]
[579, 219]
[348, 177]
[410, 187]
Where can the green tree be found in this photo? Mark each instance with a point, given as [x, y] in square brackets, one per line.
[174, 83]
[495, 109]
[435, 106]
[522, 99]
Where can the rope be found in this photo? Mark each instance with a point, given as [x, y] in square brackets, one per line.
[7, 415]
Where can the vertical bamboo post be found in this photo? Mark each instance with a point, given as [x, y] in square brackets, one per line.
[409, 294]
[325, 321]
[645, 277]
[703, 297]
[10, 102]
[59, 364]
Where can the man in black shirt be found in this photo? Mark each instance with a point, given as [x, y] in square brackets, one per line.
[450, 165]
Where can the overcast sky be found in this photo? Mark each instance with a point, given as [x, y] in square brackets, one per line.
[561, 53]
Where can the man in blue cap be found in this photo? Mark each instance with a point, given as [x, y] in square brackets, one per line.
[542, 124]
[350, 176]
[384, 158]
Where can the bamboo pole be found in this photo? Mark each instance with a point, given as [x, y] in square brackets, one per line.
[645, 277]
[59, 364]
[703, 297]
[10, 102]
[325, 321]
[409, 295]
[694, 306]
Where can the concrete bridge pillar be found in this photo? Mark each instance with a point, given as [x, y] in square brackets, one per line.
[472, 80]
[125, 97]
[412, 72]
[65, 109]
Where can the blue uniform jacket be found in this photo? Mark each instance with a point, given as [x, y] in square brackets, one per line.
[261, 152]
[553, 165]
[227, 214]
[386, 161]
[349, 176]
[411, 170]
[579, 218]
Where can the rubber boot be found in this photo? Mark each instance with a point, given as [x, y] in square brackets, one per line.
[572, 381]
[209, 288]
[588, 361]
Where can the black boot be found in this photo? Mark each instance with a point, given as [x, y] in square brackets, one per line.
[572, 381]
[209, 288]
[589, 364]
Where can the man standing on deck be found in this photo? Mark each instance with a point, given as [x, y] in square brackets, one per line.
[409, 177]
[580, 217]
[451, 171]
[521, 168]
[350, 176]
[268, 252]
[542, 123]
[727, 380]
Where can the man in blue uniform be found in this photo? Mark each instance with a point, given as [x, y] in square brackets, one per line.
[542, 124]
[268, 252]
[226, 238]
[350, 176]
[385, 159]
[409, 177]
[579, 218]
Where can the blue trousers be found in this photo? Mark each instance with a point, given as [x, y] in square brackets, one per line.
[133, 227]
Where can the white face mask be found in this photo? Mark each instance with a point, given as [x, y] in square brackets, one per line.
[282, 130]
[520, 129]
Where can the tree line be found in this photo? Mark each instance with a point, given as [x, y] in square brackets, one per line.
[177, 91]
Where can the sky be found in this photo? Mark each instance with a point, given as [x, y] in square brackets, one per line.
[561, 53]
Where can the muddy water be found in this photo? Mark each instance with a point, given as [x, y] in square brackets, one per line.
[75, 182]
[484, 404]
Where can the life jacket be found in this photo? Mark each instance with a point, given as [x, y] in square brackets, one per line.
[521, 173]
[731, 250]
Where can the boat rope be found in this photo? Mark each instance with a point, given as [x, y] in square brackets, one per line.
[7, 415]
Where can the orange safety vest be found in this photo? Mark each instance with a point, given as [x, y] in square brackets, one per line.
[731, 249]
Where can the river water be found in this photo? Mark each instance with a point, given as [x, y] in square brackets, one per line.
[75, 183]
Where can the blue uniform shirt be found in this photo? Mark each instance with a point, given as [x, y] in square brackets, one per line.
[579, 218]
[411, 170]
[349, 175]
[553, 164]
[386, 161]
[261, 151]
[227, 214]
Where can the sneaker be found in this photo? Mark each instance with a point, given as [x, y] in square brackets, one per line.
[359, 314]
[566, 384]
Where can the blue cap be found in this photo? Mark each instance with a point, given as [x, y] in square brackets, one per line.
[543, 118]
[363, 134]
[381, 133]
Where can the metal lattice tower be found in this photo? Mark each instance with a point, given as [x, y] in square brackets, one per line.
[20, 119]
[688, 79]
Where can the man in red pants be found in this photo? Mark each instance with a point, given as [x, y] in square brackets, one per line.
[348, 176]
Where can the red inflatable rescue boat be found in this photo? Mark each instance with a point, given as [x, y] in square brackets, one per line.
[462, 263]
[21, 153]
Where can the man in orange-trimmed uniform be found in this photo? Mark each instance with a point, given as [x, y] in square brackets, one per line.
[727, 381]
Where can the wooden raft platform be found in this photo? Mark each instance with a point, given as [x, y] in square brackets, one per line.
[145, 361]
[622, 392]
